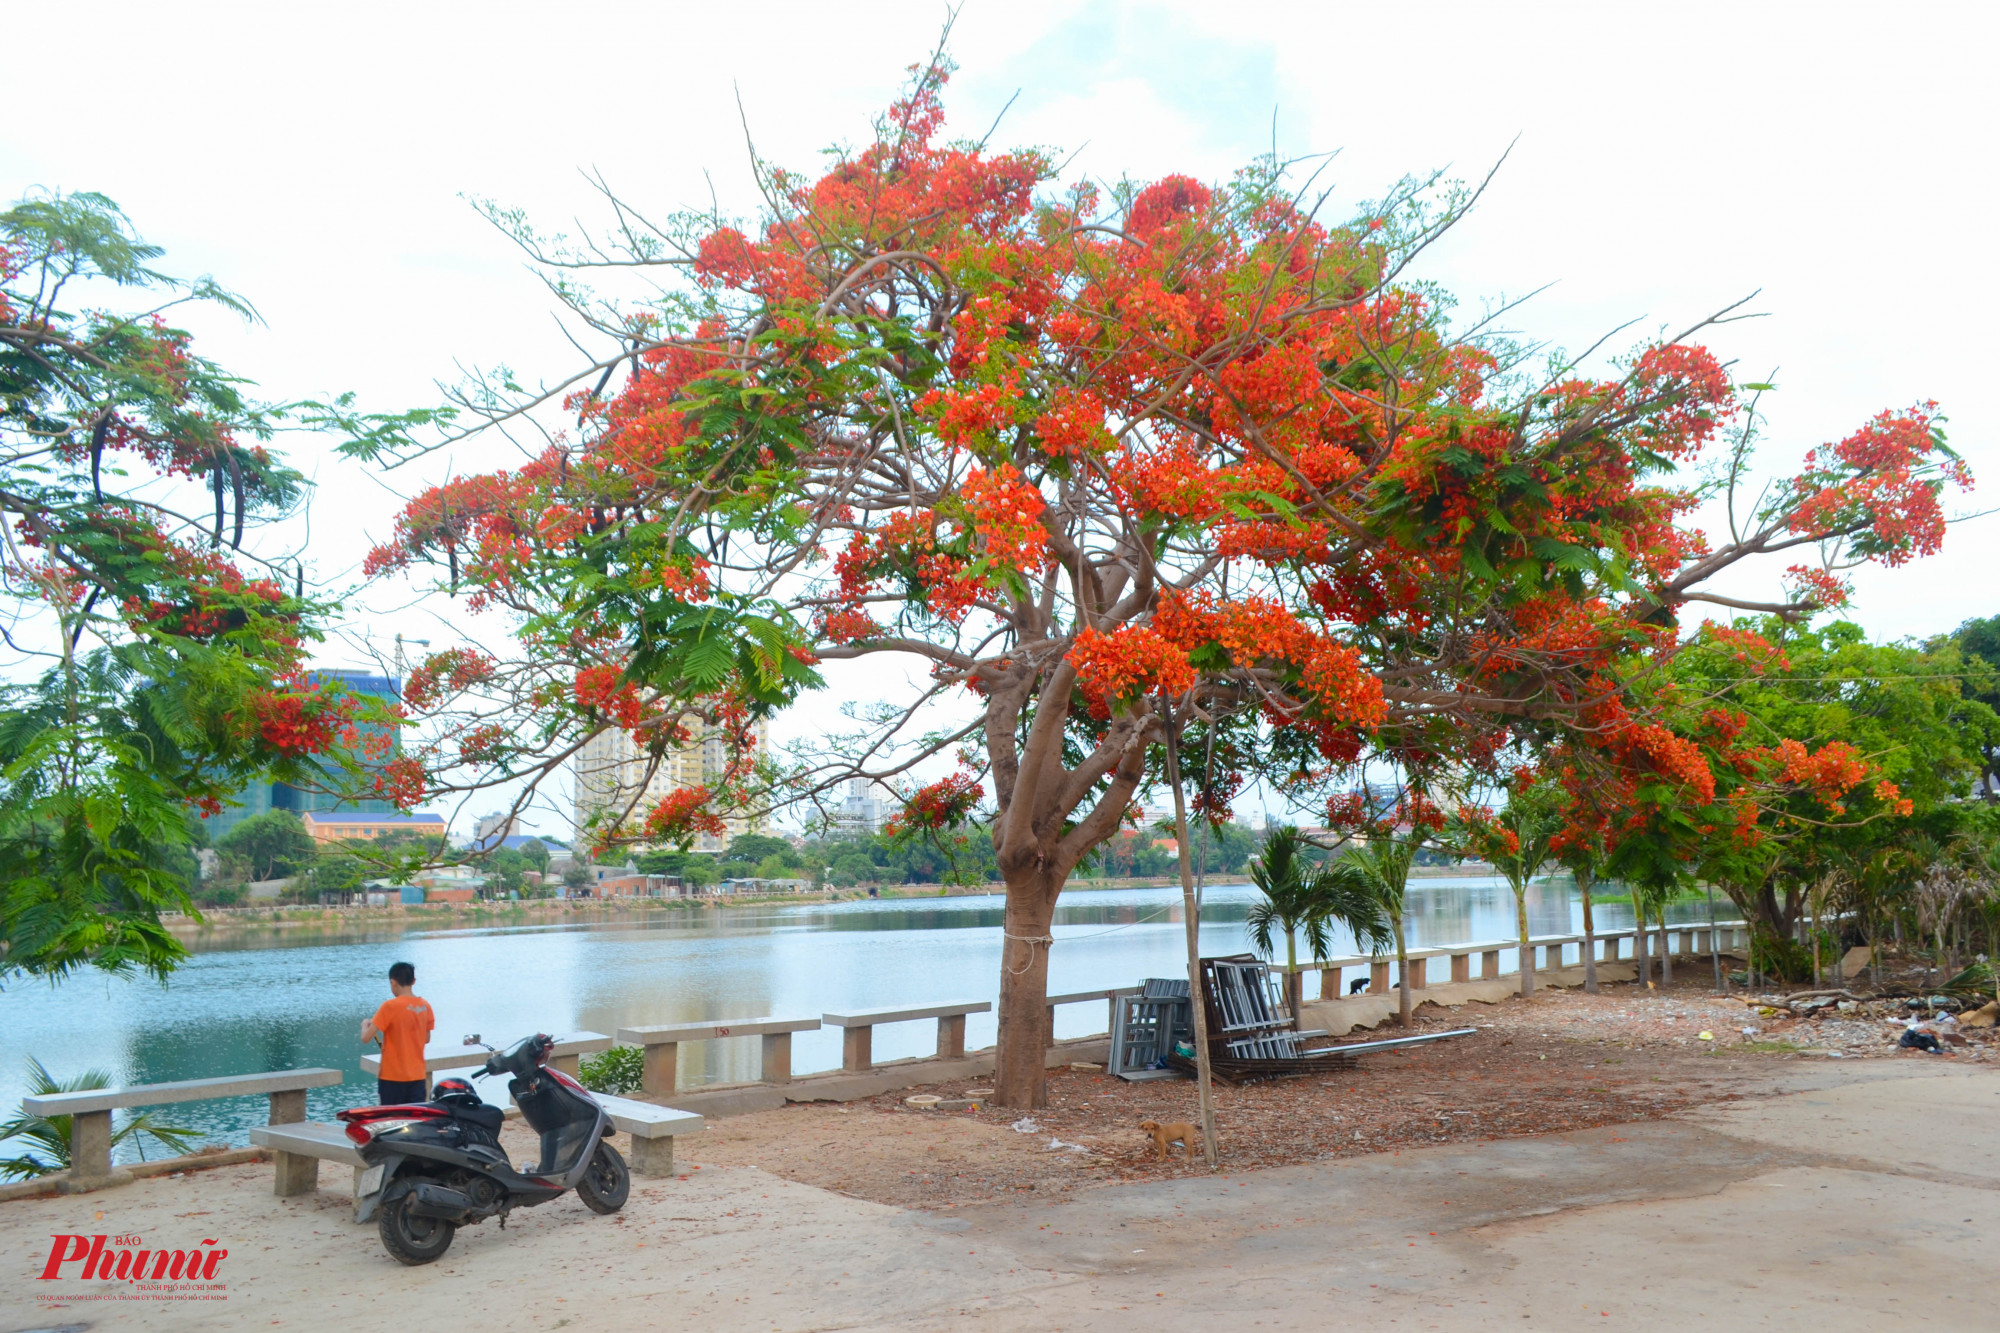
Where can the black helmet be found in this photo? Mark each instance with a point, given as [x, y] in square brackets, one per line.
[452, 1087]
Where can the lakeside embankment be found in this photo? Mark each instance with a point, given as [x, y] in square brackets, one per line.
[237, 925]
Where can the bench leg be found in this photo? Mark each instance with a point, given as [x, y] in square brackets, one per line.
[857, 1049]
[567, 1063]
[662, 1069]
[1461, 967]
[951, 1035]
[1329, 983]
[653, 1157]
[297, 1174]
[777, 1057]
[288, 1108]
[1489, 965]
[90, 1146]
[1419, 969]
[1378, 978]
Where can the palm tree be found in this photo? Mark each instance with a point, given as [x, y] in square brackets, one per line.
[1303, 899]
[1531, 819]
[1377, 873]
[51, 1134]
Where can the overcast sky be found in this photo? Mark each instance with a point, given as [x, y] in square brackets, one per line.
[1667, 160]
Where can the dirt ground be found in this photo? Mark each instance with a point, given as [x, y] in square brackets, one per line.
[1561, 1061]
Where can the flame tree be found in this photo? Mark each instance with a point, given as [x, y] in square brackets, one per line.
[157, 661]
[1092, 460]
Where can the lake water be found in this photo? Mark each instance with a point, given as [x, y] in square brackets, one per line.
[243, 1010]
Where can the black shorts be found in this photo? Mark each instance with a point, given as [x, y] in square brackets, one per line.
[401, 1094]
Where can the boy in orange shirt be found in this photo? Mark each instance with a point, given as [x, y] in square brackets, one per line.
[404, 1024]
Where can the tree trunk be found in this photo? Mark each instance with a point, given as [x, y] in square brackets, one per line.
[1589, 939]
[1403, 1006]
[1666, 950]
[1295, 982]
[1020, 1053]
[1527, 949]
[1644, 975]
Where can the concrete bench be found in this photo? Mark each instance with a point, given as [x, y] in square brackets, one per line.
[662, 1046]
[857, 1042]
[297, 1150]
[652, 1129]
[90, 1111]
[1111, 996]
[457, 1055]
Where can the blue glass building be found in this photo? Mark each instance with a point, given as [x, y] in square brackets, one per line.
[259, 797]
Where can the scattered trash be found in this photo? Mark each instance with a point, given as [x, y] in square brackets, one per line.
[1084, 1066]
[1025, 1125]
[1057, 1145]
[1704, 1036]
[1914, 1040]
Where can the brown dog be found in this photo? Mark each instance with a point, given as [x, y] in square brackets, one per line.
[1185, 1135]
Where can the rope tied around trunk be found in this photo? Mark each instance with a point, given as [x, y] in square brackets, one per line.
[1024, 939]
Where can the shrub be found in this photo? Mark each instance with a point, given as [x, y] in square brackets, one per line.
[620, 1069]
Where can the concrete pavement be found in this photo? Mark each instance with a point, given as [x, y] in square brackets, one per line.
[1861, 1197]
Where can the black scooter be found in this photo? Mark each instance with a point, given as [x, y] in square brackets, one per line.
[433, 1167]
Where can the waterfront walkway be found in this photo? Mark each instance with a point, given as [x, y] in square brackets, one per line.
[1861, 1196]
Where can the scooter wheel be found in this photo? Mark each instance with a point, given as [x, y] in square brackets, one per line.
[410, 1239]
[607, 1184]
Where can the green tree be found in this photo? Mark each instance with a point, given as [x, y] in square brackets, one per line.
[1516, 841]
[271, 845]
[1979, 642]
[1377, 871]
[1304, 899]
[134, 477]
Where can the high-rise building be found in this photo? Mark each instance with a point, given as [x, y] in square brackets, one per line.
[262, 796]
[611, 774]
[865, 810]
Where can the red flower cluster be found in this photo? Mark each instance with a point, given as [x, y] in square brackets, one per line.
[683, 814]
[940, 805]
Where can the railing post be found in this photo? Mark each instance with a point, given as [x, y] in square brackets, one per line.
[777, 1059]
[1329, 983]
[288, 1108]
[1461, 967]
[1419, 969]
[660, 1075]
[951, 1034]
[856, 1054]
[1378, 978]
[90, 1145]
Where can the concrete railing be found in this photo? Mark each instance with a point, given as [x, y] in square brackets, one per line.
[662, 1047]
[90, 1111]
[1547, 953]
[857, 1041]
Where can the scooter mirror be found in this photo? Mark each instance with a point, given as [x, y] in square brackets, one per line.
[472, 1040]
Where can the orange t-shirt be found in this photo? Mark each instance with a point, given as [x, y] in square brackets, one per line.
[405, 1022]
